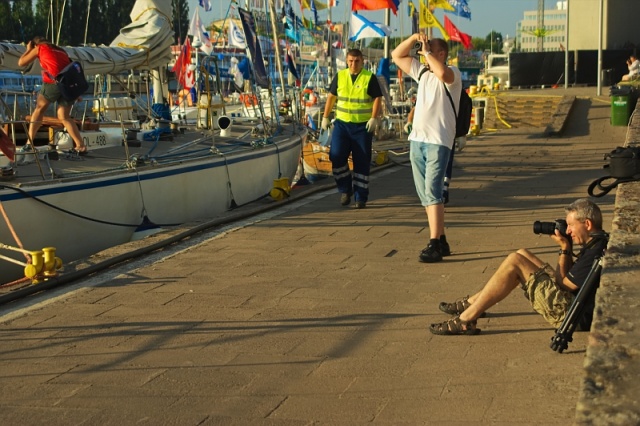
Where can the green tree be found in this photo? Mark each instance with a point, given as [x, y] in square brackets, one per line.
[479, 44]
[180, 20]
[22, 20]
[494, 41]
[378, 43]
[5, 22]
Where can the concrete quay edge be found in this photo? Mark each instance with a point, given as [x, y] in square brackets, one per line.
[610, 392]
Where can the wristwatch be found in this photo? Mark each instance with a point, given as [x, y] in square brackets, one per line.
[561, 252]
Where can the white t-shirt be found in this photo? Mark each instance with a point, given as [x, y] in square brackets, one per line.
[634, 68]
[434, 120]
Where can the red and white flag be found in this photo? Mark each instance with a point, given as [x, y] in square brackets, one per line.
[182, 66]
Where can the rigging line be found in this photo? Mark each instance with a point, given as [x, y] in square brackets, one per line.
[78, 215]
[14, 234]
[144, 207]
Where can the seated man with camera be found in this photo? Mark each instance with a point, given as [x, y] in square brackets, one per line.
[549, 291]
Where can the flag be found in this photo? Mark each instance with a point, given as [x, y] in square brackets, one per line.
[311, 123]
[291, 31]
[196, 29]
[360, 27]
[413, 13]
[236, 36]
[375, 5]
[461, 8]
[428, 20]
[457, 35]
[441, 4]
[206, 4]
[7, 147]
[292, 65]
[332, 3]
[249, 27]
[315, 12]
[305, 4]
[181, 67]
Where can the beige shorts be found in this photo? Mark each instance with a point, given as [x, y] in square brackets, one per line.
[545, 297]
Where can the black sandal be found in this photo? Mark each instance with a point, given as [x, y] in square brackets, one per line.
[455, 327]
[75, 152]
[457, 307]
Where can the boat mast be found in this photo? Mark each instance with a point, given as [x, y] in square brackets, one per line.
[64, 4]
[272, 12]
[86, 27]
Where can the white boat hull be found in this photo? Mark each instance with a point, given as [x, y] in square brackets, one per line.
[94, 213]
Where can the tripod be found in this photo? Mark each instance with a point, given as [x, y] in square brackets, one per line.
[564, 334]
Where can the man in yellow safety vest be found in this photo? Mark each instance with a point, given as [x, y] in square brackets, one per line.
[356, 94]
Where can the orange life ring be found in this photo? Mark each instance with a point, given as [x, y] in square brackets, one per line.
[311, 100]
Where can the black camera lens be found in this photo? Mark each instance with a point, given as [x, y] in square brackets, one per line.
[545, 228]
[549, 228]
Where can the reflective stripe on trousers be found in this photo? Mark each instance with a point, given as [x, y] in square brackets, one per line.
[351, 138]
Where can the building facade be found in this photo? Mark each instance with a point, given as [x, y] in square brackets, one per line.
[619, 26]
[554, 35]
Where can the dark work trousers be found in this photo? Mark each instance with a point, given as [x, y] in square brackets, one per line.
[351, 138]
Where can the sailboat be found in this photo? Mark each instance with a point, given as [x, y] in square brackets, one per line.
[56, 211]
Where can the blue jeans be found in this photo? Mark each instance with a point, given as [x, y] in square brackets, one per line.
[429, 163]
[351, 138]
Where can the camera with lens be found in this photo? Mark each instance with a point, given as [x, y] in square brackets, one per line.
[549, 228]
[415, 50]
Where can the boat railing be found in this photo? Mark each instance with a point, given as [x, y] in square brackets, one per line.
[26, 154]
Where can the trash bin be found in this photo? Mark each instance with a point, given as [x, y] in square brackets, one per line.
[620, 105]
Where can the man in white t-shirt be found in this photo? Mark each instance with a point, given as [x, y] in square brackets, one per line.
[433, 132]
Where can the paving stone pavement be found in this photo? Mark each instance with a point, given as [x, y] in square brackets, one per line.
[317, 314]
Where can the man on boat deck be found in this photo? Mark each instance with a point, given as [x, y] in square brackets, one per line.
[52, 60]
[356, 94]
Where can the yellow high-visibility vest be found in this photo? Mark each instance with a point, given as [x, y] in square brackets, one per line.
[354, 105]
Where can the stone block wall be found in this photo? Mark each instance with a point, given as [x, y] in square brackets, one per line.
[610, 392]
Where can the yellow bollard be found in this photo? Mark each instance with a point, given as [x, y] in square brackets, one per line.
[51, 262]
[381, 158]
[496, 86]
[281, 189]
[36, 266]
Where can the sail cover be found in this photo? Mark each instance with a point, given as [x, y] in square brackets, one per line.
[143, 44]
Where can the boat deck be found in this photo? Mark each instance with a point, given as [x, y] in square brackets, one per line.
[143, 149]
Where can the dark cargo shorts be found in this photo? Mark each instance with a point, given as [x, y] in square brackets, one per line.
[51, 93]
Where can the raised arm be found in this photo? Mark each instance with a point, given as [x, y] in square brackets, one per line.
[400, 54]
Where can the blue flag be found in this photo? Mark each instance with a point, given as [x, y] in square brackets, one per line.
[206, 4]
[461, 8]
[315, 12]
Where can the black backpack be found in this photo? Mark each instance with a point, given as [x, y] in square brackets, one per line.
[463, 117]
[624, 166]
[71, 81]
